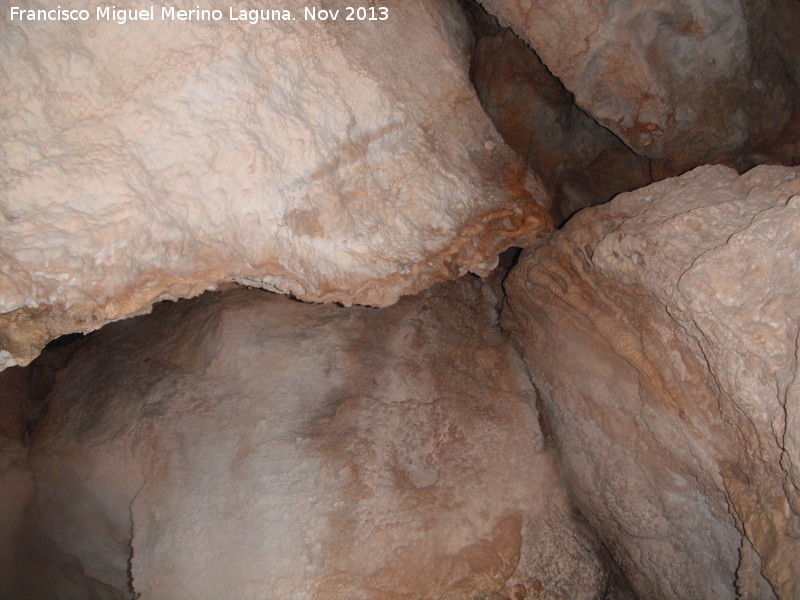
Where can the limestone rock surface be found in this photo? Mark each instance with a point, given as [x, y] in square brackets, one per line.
[662, 331]
[684, 83]
[156, 159]
[245, 445]
[580, 162]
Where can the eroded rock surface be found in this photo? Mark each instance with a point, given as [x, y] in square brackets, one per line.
[244, 445]
[662, 332]
[580, 162]
[684, 83]
[337, 161]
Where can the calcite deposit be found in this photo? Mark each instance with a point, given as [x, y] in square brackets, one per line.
[661, 330]
[157, 159]
[245, 445]
[684, 82]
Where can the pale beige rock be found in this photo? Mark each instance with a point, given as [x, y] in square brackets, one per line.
[258, 447]
[662, 331]
[682, 82]
[155, 160]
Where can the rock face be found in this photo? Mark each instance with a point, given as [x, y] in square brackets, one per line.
[662, 332]
[680, 82]
[155, 160]
[245, 445]
[581, 163]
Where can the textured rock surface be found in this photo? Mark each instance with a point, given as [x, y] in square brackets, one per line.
[682, 82]
[580, 162]
[156, 159]
[662, 332]
[255, 446]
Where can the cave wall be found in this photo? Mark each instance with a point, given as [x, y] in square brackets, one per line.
[245, 445]
[580, 162]
[155, 160]
[661, 330]
[406, 452]
[682, 83]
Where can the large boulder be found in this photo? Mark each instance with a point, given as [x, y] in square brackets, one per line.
[683, 83]
[662, 332]
[245, 445]
[345, 161]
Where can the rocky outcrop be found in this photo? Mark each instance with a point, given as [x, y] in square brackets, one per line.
[156, 159]
[683, 83]
[662, 331]
[245, 445]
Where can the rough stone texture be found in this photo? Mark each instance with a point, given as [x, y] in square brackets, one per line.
[684, 82]
[259, 447]
[580, 162]
[662, 332]
[155, 160]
